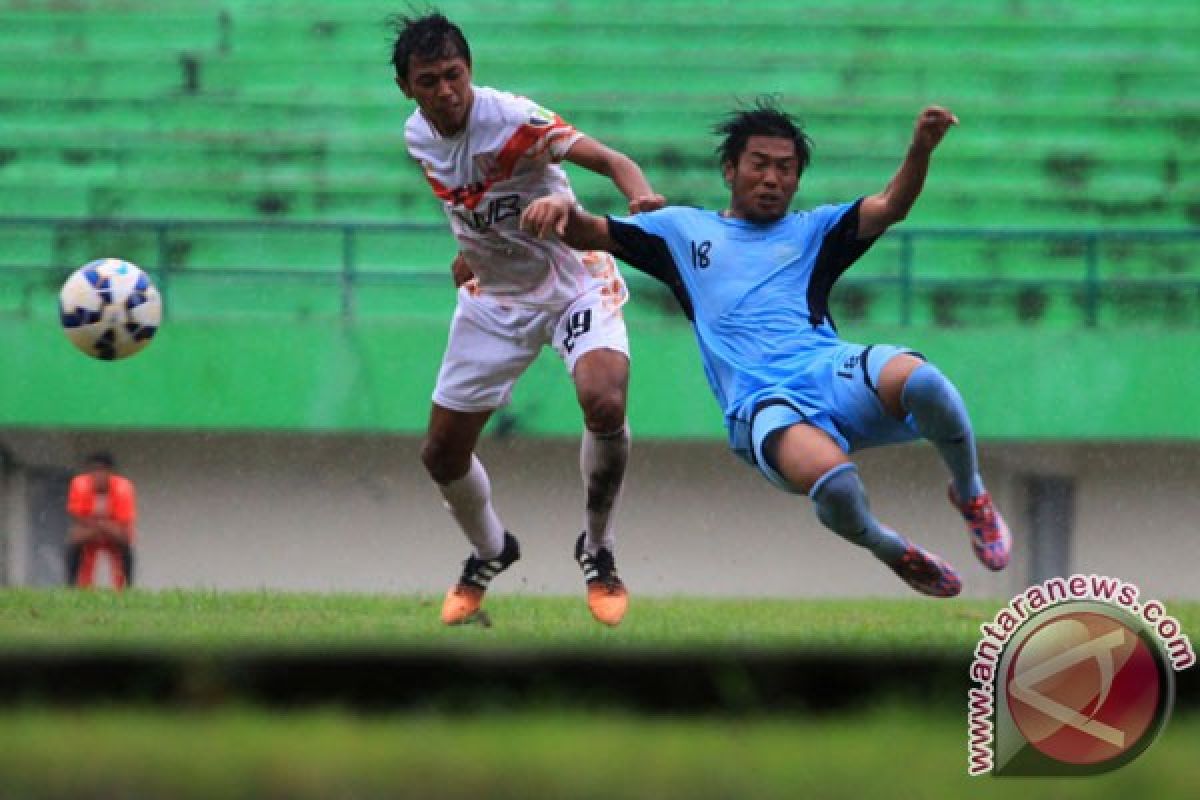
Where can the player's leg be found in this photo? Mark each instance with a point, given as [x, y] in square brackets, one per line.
[803, 458]
[74, 559]
[601, 383]
[487, 351]
[124, 576]
[812, 462]
[592, 341]
[87, 566]
[448, 455]
[909, 385]
[113, 552]
[601, 386]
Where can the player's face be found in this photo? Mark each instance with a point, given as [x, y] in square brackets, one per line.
[764, 179]
[442, 89]
[100, 475]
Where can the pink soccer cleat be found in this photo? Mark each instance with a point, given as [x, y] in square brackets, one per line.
[927, 573]
[990, 536]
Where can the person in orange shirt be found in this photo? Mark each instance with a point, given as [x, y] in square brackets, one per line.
[103, 510]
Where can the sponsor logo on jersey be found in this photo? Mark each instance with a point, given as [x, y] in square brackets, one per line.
[541, 117]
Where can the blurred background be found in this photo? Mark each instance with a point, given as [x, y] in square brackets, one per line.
[250, 156]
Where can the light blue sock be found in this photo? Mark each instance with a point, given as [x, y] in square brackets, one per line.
[941, 417]
[842, 507]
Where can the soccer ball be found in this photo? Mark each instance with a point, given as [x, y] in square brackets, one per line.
[109, 308]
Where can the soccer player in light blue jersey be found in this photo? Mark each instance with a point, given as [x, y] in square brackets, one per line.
[755, 280]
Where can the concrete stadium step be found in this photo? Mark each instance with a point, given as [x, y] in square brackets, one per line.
[943, 207]
[687, 132]
[281, 79]
[1072, 113]
[851, 153]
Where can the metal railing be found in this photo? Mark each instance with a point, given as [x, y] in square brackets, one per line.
[1087, 243]
[897, 267]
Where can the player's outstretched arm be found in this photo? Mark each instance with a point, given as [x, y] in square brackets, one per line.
[559, 215]
[622, 170]
[879, 212]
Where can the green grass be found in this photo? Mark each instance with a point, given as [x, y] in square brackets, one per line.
[219, 620]
[216, 620]
[884, 753]
[230, 750]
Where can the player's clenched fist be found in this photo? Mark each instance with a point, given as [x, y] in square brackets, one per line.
[648, 202]
[932, 124]
[547, 215]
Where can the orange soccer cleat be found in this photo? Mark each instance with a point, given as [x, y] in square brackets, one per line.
[465, 597]
[608, 598]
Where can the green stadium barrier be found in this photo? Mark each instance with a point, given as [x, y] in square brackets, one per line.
[377, 375]
[1074, 115]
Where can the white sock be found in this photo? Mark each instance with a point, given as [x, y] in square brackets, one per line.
[469, 501]
[602, 460]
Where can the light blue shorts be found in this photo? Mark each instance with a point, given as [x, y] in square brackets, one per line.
[839, 397]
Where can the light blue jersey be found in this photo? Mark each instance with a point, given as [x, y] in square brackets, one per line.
[758, 299]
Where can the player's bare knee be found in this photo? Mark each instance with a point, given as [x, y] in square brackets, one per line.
[606, 414]
[604, 411]
[803, 454]
[442, 463]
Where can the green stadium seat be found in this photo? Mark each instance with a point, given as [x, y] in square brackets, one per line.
[1075, 115]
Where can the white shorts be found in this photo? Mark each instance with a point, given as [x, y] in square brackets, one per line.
[491, 345]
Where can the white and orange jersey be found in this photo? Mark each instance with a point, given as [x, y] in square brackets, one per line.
[486, 175]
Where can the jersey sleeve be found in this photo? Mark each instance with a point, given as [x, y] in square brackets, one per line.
[416, 135]
[539, 134]
[839, 242]
[124, 501]
[839, 248]
[78, 496]
[643, 243]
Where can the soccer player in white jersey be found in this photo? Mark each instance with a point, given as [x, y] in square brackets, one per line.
[487, 154]
[755, 280]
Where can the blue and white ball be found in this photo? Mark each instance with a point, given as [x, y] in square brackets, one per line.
[110, 308]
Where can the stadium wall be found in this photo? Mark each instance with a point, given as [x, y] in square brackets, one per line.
[322, 375]
[355, 513]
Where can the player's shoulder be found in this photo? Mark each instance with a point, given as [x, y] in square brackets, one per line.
[417, 130]
[682, 214]
[497, 105]
[827, 211]
[671, 221]
[688, 218]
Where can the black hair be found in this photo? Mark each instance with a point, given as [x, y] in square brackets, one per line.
[428, 38]
[102, 458]
[764, 119]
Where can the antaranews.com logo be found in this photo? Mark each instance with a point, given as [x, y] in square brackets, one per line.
[1074, 676]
